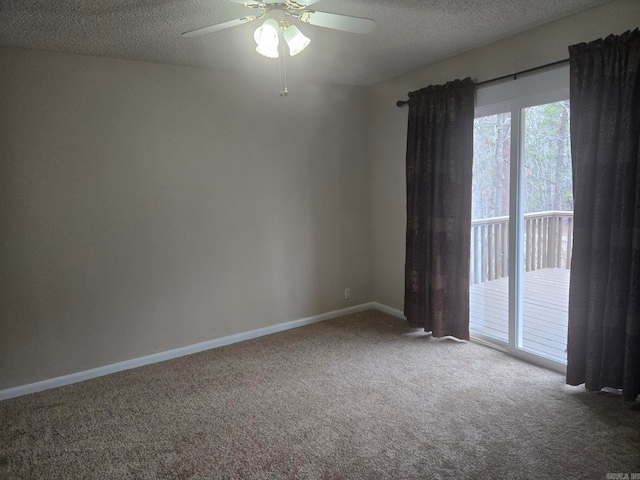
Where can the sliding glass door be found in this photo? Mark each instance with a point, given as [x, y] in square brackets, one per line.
[489, 293]
[547, 200]
[522, 212]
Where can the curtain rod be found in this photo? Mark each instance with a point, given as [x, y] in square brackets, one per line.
[514, 76]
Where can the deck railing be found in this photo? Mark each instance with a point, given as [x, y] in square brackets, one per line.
[548, 238]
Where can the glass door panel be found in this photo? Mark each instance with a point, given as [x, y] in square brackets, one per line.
[547, 202]
[489, 274]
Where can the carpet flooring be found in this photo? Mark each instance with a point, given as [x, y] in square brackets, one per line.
[357, 397]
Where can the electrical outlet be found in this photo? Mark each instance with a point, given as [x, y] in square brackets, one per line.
[347, 293]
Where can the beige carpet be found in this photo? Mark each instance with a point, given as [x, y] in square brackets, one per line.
[362, 396]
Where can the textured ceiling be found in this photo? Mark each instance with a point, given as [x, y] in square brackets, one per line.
[410, 33]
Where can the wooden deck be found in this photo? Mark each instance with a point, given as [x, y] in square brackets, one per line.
[545, 305]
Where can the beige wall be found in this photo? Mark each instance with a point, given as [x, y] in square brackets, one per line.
[146, 207]
[387, 123]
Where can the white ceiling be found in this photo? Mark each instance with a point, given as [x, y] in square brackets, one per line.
[410, 33]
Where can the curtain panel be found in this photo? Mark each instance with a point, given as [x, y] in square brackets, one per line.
[439, 167]
[604, 300]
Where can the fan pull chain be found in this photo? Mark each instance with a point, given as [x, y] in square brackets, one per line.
[285, 91]
[280, 72]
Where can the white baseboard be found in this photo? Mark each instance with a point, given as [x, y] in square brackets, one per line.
[391, 311]
[178, 352]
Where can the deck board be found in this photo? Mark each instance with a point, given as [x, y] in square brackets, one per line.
[545, 307]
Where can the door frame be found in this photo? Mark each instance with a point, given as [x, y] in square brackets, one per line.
[516, 106]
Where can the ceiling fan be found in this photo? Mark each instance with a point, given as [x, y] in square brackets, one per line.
[277, 12]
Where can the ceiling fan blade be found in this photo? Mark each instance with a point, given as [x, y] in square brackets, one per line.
[305, 3]
[218, 26]
[338, 22]
[248, 2]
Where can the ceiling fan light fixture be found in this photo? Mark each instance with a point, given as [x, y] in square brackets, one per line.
[270, 52]
[295, 39]
[267, 38]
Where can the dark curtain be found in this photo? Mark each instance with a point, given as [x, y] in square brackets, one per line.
[604, 299]
[439, 167]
